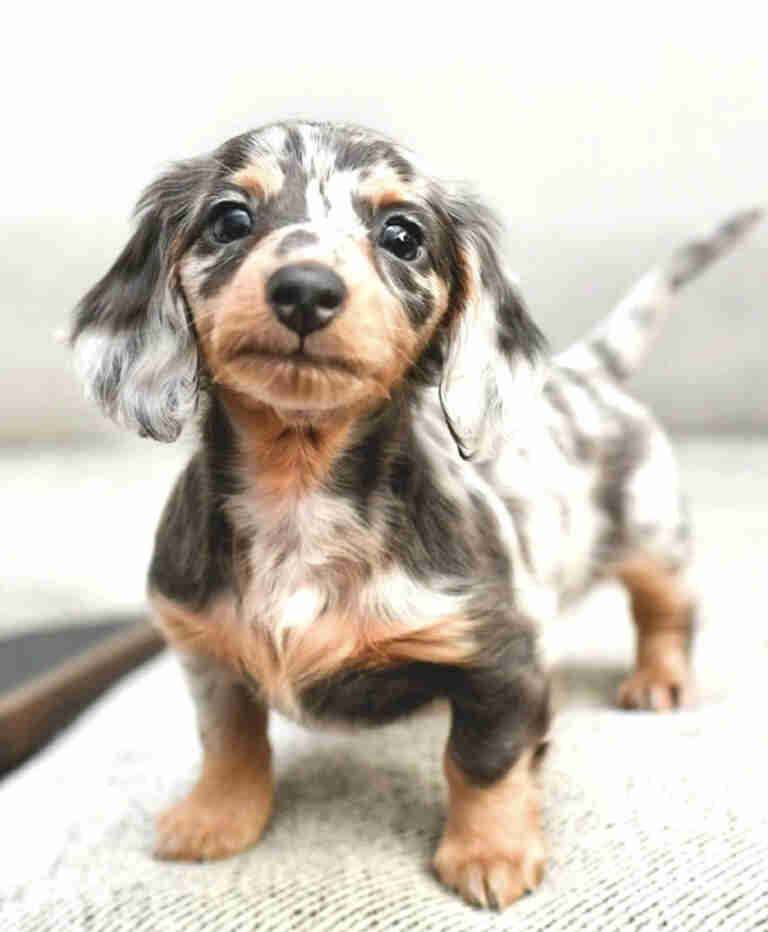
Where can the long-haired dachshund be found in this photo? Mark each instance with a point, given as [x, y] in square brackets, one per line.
[394, 486]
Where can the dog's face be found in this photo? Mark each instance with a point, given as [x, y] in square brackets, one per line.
[310, 268]
[316, 272]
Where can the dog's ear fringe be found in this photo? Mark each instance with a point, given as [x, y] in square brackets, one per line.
[134, 344]
[482, 229]
[493, 345]
[458, 440]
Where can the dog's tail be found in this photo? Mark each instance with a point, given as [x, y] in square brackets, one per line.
[619, 343]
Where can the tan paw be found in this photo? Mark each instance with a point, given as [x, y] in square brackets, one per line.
[204, 828]
[489, 878]
[656, 689]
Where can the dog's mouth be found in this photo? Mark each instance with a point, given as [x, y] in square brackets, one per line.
[300, 359]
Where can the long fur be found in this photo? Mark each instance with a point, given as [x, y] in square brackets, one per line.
[386, 509]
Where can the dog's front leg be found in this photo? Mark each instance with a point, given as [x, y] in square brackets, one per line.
[228, 807]
[492, 849]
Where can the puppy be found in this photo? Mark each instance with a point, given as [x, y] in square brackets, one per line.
[394, 488]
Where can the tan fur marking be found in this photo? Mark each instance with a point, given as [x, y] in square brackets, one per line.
[263, 177]
[212, 633]
[492, 849]
[329, 644]
[333, 642]
[286, 459]
[662, 609]
[368, 346]
[384, 186]
[230, 804]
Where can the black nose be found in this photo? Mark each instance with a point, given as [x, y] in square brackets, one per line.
[306, 296]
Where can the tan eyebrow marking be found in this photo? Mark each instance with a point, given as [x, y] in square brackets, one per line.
[385, 186]
[263, 177]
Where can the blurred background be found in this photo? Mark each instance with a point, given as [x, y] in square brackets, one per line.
[604, 134]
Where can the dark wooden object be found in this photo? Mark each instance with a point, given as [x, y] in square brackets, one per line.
[31, 713]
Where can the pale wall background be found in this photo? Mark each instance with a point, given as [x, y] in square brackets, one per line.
[604, 133]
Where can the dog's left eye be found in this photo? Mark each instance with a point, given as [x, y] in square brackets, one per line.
[229, 222]
[403, 238]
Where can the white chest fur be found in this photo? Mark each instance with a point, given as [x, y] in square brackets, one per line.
[304, 555]
[320, 593]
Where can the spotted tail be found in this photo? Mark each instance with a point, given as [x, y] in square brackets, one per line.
[619, 344]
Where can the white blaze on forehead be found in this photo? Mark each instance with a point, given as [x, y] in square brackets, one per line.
[319, 159]
[330, 192]
[330, 201]
[272, 138]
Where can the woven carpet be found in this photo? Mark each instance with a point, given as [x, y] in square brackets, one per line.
[655, 822]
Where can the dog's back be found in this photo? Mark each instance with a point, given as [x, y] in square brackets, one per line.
[603, 486]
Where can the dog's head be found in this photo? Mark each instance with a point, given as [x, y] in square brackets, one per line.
[313, 269]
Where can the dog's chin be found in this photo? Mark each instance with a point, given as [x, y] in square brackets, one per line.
[300, 387]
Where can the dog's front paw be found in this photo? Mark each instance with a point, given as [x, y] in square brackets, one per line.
[488, 876]
[657, 688]
[205, 826]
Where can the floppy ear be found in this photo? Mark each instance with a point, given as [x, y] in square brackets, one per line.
[490, 374]
[134, 347]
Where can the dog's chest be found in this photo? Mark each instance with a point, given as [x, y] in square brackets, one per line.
[324, 619]
[341, 669]
[300, 557]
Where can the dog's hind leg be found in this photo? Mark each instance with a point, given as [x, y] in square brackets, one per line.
[663, 612]
[651, 558]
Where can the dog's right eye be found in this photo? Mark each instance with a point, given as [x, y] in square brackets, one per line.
[229, 222]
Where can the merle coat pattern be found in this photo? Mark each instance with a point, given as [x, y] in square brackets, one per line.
[395, 487]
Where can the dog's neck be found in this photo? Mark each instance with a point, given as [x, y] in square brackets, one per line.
[287, 459]
[296, 495]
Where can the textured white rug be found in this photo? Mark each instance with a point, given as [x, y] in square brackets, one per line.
[655, 822]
